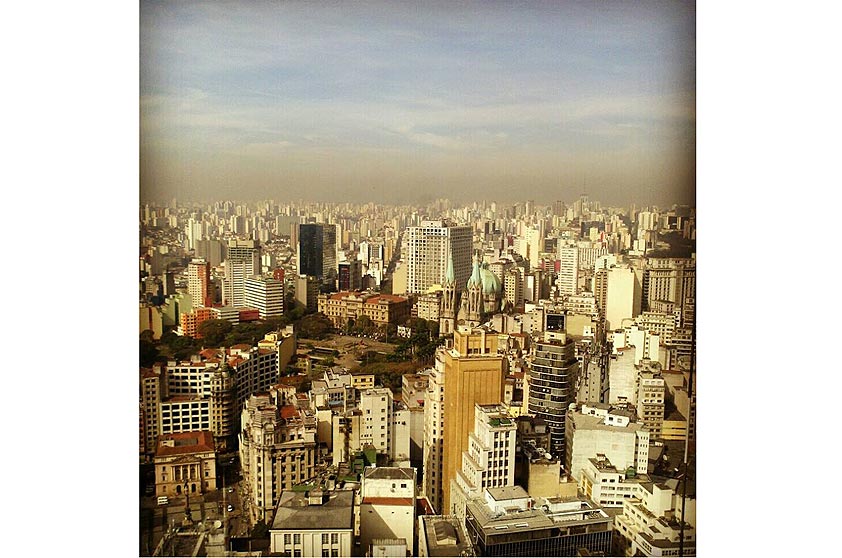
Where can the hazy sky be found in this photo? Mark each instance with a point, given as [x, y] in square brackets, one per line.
[411, 101]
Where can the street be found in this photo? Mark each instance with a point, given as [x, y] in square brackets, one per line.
[156, 519]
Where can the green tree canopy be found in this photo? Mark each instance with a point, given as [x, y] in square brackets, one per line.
[213, 332]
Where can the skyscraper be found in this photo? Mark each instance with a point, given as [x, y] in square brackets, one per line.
[317, 251]
[428, 247]
[243, 261]
[552, 379]
[199, 283]
[473, 374]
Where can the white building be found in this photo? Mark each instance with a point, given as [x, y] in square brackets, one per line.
[266, 294]
[651, 521]
[622, 296]
[387, 508]
[376, 420]
[434, 434]
[601, 429]
[242, 262]
[313, 523]
[568, 275]
[427, 248]
[490, 459]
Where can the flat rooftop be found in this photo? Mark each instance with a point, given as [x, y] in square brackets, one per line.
[446, 536]
[294, 511]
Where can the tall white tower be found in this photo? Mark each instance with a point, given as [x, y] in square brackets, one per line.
[428, 248]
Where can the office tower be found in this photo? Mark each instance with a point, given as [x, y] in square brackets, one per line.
[198, 282]
[650, 402]
[350, 275]
[552, 380]
[434, 434]
[427, 249]
[243, 262]
[473, 374]
[568, 275]
[212, 251]
[317, 251]
[266, 294]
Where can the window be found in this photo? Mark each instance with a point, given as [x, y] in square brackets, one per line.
[334, 538]
[296, 539]
[324, 538]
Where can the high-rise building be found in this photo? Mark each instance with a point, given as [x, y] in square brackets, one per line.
[198, 282]
[623, 295]
[243, 262]
[307, 291]
[568, 275]
[317, 251]
[266, 294]
[350, 275]
[427, 248]
[474, 374]
[552, 380]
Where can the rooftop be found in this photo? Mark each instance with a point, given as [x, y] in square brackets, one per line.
[446, 536]
[391, 473]
[295, 511]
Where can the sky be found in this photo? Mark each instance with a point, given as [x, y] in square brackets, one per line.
[404, 102]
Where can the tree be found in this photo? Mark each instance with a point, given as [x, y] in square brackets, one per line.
[315, 326]
[213, 332]
[148, 352]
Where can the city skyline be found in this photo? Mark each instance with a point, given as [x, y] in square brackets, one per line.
[398, 103]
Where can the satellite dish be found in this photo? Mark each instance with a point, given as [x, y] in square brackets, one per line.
[217, 524]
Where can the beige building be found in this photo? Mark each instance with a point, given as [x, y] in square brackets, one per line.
[346, 307]
[277, 450]
[185, 462]
[474, 374]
